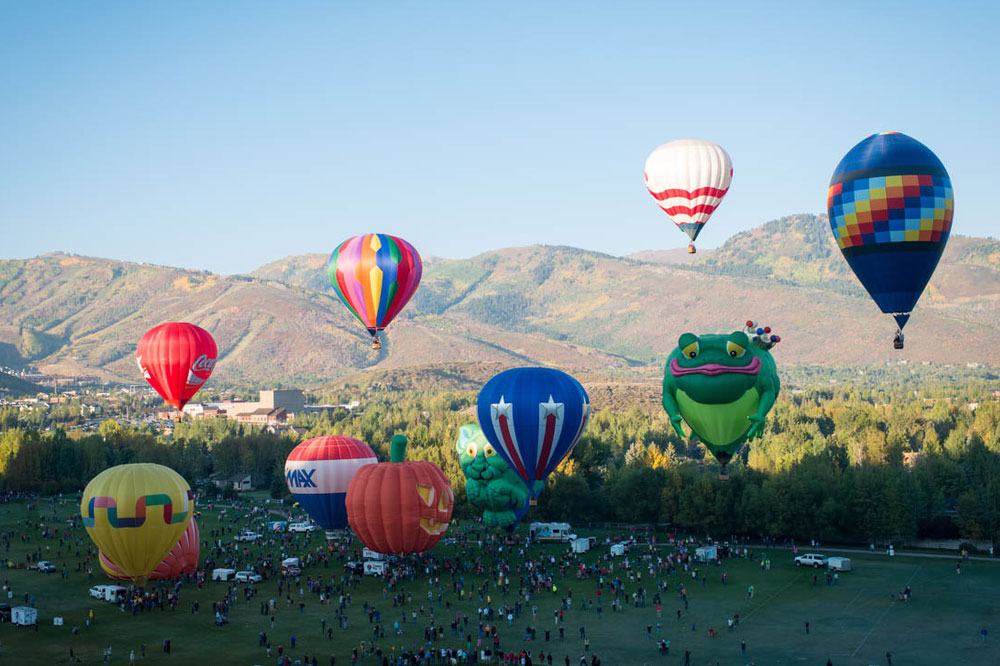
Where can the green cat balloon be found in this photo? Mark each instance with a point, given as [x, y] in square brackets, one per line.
[723, 386]
[490, 483]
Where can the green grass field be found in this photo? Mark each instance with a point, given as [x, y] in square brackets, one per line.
[854, 622]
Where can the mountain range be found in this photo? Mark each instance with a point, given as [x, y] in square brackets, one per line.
[583, 311]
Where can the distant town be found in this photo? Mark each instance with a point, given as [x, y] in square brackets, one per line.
[86, 403]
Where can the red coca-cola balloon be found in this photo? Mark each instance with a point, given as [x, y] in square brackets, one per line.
[182, 558]
[176, 359]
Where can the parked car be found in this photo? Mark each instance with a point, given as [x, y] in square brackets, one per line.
[97, 591]
[46, 567]
[814, 560]
[301, 527]
[248, 577]
[247, 535]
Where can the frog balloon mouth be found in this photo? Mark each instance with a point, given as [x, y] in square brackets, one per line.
[713, 369]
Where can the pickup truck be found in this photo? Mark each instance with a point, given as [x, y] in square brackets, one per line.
[248, 536]
[248, 577]
[46, 567]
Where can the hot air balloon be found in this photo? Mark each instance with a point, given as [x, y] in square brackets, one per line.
[318, 472]
[533, 418]
[136, 514]
[491, 484]
[723, 386]
[688, 178]
[182, 558]
[176, 359]
[890, 205]
[400, 506]
[375, 275]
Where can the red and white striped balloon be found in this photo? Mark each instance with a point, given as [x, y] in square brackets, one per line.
[688, 178]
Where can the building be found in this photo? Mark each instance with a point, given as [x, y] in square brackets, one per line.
[264, 411]
[264, 416]
[291, 400]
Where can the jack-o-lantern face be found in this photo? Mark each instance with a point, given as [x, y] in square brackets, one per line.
[400, 507]
[435, 516]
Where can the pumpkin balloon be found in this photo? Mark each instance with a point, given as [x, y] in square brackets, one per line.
[399, 507]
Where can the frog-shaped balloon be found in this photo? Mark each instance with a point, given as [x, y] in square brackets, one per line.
[723, 386]
[491, 484]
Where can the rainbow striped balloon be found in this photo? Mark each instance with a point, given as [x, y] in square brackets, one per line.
[375, 275]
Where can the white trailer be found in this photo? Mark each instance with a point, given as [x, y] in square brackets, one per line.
[374, 567]
[618, 549]
[223, 574]
[580, 545]
[706, 553]
[839, 563]
[24, 616]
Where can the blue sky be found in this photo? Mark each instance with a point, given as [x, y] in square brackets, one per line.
[224, 135]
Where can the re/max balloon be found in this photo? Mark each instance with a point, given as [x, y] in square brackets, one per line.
[176, 359]
[182, 558]
[891, 205]
[136, 514]
[318, 472]
[375, 275]
[533, 417]
[689, 178]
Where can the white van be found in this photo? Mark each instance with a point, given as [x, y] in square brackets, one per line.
[223, 574]
[115, 593]
[551, 532]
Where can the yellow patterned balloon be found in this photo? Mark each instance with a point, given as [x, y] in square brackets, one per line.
[135, 514]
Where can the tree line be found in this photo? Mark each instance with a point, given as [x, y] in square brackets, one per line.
[851, 465]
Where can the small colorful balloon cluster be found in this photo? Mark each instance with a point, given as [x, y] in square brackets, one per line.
[761, 335]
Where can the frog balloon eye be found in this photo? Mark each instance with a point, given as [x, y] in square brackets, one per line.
[471, 450]
[489, 451]
[691, 350]
[735, 350]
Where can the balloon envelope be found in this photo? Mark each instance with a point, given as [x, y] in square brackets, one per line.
[689, 178]
[136, 514]
[176, 359]
[182, 558]
[891, 205]
[533, 417]
[318, 472]
[375, 275]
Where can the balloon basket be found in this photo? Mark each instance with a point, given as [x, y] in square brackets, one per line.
[533, 502]
[691, 249]
[376, 343]
[897, 344]
[723, 474]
